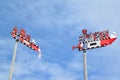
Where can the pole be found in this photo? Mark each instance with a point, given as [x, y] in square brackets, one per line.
[13, 61]
[85, 65]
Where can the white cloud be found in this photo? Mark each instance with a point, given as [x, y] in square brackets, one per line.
[28, 65]
[58, 22]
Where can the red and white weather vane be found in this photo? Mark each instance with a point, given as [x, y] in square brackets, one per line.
[93, 41]
[25, 39]
[21, 36]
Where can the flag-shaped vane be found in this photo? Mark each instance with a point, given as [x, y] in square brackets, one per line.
[25, 39]
[95, 40]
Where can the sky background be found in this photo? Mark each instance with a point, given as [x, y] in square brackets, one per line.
[56, 26]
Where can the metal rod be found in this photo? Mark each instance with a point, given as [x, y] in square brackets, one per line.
[85, 65]
[13, 61]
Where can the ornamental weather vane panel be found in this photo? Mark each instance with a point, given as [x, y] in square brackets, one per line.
[95, 40]
[25, 39]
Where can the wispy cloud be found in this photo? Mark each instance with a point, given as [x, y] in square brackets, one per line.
[55, 25]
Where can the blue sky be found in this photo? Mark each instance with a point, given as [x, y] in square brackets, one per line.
[56, 25]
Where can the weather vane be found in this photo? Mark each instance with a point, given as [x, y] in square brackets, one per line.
[93, 41]
[24, 39]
